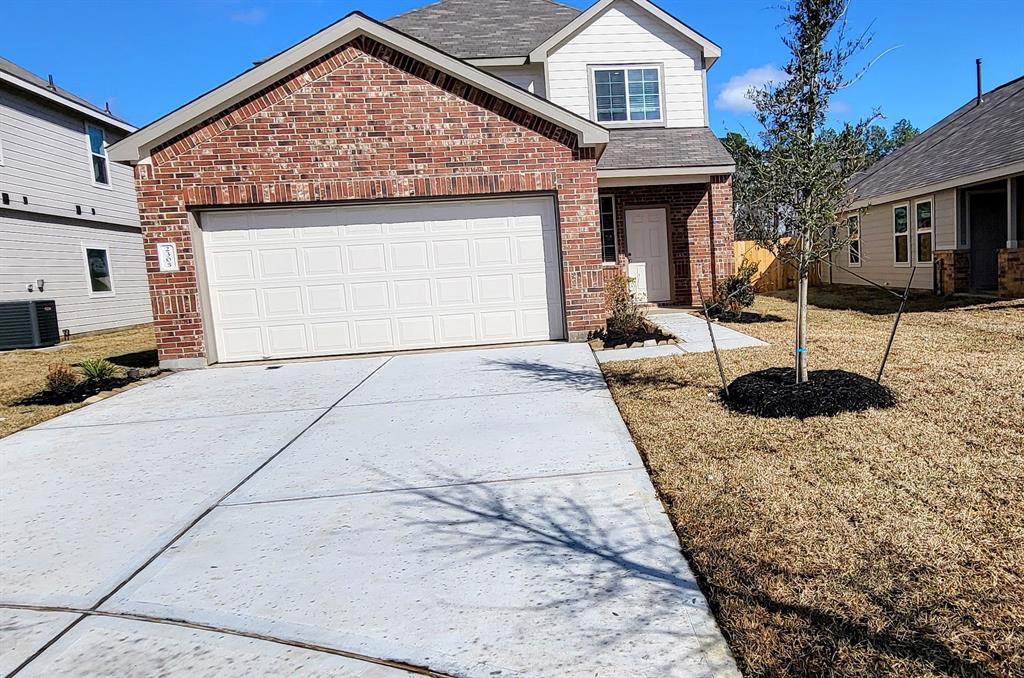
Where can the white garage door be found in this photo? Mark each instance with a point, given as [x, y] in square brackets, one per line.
[328, 281]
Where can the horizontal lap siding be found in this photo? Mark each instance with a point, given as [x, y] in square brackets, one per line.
[530, 78]
[31, 248]
[46, 158]
[626, 34]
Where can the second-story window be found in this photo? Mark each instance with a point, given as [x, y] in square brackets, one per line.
[627, 94]
[98, 154]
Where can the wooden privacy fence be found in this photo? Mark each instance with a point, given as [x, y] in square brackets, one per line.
[772, 274]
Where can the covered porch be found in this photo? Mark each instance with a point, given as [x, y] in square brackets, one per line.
[666, 212]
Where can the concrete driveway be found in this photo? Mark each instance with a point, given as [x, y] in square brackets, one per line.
[474, 513]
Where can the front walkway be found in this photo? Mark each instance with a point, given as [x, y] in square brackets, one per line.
[692, 332]
[475, 513]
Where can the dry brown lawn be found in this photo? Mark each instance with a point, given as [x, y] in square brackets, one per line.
[882, 542]
[24, 372]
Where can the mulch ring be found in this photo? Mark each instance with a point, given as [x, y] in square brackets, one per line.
[773, 393]
[648, 332]
[84, 390]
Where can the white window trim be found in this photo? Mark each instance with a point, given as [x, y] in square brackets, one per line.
[615, 228]
[908, 235]
[592, 86]
[860, 243]
[106, 156]
[931, 201]
[88, 278]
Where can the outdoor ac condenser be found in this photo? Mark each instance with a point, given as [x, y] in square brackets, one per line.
[28, 324]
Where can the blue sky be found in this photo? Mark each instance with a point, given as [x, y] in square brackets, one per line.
[146, 57]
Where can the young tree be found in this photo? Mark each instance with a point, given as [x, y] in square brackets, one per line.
[795, 194]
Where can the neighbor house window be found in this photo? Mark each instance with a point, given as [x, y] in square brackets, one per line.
[98, 154]
[608, 228]
[901, 234]
[627, 94]
[923, 231]
[853, 232]
[97, 267]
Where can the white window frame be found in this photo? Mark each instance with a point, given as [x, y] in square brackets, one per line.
[88, 276]
[592, 70]
[908, 235]
[931, 229]
[106, 158]
[852, 239]
[615, 227]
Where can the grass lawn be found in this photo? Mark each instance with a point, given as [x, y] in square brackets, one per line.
[881, 542]
[24, 372]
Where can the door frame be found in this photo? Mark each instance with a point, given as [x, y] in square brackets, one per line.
[668, 241]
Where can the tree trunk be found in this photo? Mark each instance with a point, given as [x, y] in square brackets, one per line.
[801, 327]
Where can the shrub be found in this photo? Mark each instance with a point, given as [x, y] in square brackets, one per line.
[734, 293]
[625, 317]
[60, 378]
[98, 369]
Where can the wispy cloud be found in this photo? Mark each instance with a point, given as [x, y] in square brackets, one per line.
[734, 95]
[256, 15]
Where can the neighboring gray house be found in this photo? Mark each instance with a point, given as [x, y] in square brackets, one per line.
[69, 223]
[950, 203]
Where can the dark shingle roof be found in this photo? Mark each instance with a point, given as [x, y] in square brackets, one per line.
[11, 68]
[471, 29]
[657, 147]
[972, 139]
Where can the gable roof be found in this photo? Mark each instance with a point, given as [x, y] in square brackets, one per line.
[710, 50]
[966, 146]
[139, 145]
[28, 81]
[479, 29]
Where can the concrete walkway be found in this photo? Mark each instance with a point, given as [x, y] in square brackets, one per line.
[472, 513]
[692, 332]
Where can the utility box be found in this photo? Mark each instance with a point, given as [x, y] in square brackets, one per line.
[28, 324]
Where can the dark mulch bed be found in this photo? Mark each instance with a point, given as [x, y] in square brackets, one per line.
[86, 389]
[772, 393]
[650, 331]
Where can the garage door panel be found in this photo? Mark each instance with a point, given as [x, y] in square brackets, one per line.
[325, 281]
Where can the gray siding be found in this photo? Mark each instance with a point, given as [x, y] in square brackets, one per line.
[46, 159]
[878, 251]
[39, 246]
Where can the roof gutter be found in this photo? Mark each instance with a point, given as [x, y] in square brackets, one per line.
[56, 98]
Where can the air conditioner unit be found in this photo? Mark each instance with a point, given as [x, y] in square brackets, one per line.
[28, 324]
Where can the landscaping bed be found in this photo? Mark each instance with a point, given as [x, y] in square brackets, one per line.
[875, 542]
[24, 371]
[648, 334]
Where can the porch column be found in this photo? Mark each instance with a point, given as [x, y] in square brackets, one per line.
[1011, 214]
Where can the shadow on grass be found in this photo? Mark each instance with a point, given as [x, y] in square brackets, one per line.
[138, 359]
[747, 318]
[873, 301]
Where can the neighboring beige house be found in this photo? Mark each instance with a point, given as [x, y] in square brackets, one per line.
[948, 203]
[69, 223]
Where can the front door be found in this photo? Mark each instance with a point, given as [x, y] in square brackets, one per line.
[988, 235]
[647, 242]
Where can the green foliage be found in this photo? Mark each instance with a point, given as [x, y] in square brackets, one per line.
[625, 317]
[733, 294]
[60, 378]
[98, 369]
[880, 143]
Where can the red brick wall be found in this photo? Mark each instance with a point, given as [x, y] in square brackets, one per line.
[700, 230]
[363, 123]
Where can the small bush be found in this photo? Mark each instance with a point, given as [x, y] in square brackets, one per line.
[98, 369]
[625, 317]
[733, 294]
[60, 378]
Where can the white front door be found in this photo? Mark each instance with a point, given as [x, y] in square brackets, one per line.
[647, 242]
[325, 281]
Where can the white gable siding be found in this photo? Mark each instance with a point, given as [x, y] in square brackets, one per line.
[530, 77]
[626, 34]
[38, 246]
[47, 159]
